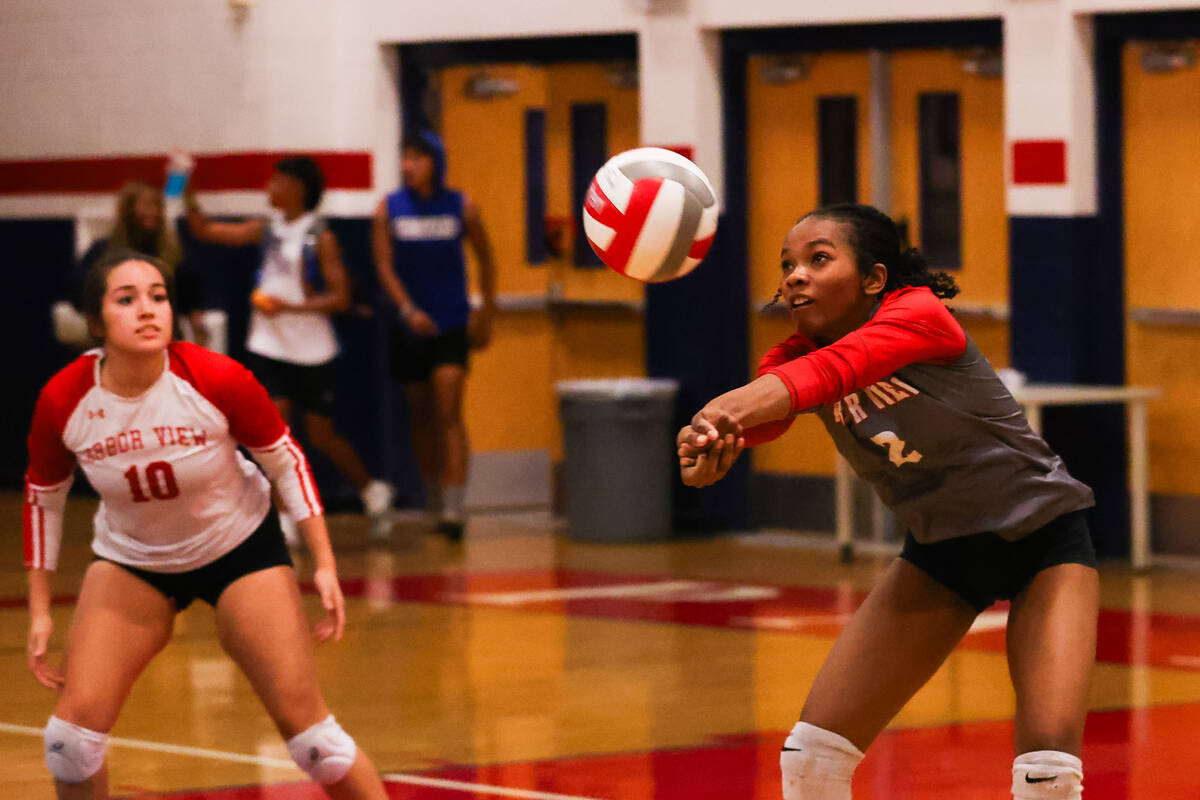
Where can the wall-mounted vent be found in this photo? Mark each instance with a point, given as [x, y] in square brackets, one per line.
[782, 70]
[482, 85]
[622, 74]
[986, 62]
[1167, 56]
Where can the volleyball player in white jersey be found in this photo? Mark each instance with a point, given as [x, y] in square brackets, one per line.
[155, 425]
[292, 342]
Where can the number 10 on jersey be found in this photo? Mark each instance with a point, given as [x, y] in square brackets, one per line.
[159, 478]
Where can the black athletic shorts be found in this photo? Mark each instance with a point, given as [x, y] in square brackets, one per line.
[414, 357]
[308, 387]
[983, 568]
[263, 549]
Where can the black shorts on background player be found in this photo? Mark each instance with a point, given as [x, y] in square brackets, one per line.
[983, 567]
[261, 550]
[414, 358]
[308, 387]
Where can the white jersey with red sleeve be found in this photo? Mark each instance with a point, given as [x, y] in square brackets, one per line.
[175, 492]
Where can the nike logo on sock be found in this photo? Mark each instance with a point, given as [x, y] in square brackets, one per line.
[787, 749]
[1031, 779]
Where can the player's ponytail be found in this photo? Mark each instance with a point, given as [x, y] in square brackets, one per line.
[876, 240]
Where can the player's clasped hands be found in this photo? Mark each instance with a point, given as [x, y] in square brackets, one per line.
[708, 447]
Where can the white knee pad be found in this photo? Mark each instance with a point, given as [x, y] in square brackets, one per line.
[73, 753]
[817, 764]
[1047, 775]
[324, 751]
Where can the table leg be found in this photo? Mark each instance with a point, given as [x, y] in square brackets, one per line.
[1139, 486]
[1033, 413]
[844, 509]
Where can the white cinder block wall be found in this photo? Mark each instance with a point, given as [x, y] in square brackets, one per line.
[85, 78]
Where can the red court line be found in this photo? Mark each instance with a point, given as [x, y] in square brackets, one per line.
[1125, 637]
[213, 172]
[1127, 755]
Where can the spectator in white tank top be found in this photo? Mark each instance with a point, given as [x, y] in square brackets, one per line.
[301, 283]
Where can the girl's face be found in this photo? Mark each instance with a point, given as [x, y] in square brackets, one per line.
[136, 312]
[148, 212]
[416, 168]
[285, 192]
[820, 284]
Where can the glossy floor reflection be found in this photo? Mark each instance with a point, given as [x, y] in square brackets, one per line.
[522, 663]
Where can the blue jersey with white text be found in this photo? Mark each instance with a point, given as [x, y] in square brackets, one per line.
[427, 253]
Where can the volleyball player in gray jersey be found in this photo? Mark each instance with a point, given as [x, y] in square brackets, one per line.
[991, 511]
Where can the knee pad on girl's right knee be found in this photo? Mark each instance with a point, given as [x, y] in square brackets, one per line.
[817, 764]
[73, 753]
[324, 751]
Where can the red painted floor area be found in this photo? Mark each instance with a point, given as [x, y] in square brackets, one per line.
[1125, 637]
[1145, 755]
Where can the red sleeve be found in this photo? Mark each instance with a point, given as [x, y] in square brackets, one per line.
[50, 462]
[253, 419]
[788, 350]
[912, 326]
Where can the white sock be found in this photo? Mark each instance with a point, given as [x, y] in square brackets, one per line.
[1047, 775]
[452, 503]
[817, 764]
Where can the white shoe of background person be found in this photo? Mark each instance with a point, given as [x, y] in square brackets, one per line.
[377, 497]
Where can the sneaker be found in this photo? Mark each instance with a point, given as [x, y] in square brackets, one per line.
[377, 498]
[452, 529]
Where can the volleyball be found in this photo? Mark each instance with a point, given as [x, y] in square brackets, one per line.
[650, 214]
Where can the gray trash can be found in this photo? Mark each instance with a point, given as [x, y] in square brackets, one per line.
[619, 457]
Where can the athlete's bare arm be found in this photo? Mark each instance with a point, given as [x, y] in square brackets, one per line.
[336, 296]
[479, 326]
[233, 234]
[381, 245]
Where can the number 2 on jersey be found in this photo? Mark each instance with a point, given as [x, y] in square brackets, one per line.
[160, 478]
[895, 447]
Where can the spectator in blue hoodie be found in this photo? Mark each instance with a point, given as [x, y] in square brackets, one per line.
[418, 242]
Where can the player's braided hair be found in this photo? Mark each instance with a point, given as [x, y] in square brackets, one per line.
[876, 240]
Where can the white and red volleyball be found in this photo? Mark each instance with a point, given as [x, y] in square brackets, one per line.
[650, 214]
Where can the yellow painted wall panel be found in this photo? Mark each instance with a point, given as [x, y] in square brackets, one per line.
[1162, 253]
[509, 402]
[781, 138]
[991, 336]
[485, 145]
[513, 379]
[782, 176]
[1166, 357]
[1162, 185]
[984, 274]
[569, 84]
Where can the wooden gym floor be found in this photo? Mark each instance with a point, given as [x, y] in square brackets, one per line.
[519, 664]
